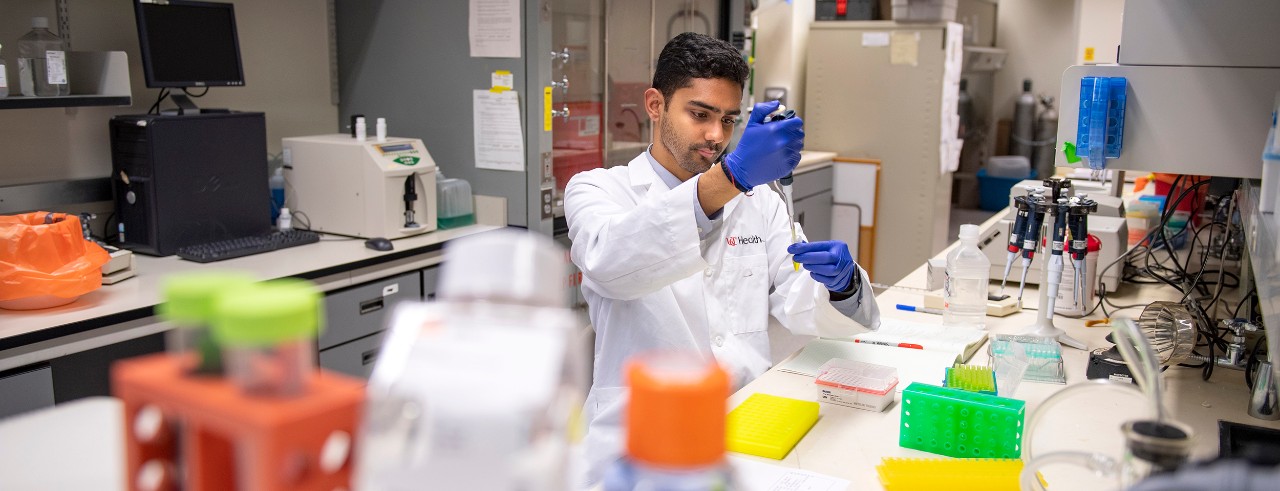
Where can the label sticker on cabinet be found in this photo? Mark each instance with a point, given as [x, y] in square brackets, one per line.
[391, 289]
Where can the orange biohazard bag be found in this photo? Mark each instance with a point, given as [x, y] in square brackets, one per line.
[45, 261]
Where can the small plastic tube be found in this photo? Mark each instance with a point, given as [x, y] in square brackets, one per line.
[188, 305]
[268, 332]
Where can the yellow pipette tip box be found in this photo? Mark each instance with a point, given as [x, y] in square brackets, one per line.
[769, 426]
[911, 474]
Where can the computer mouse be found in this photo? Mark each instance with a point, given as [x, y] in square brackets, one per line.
[379, 244]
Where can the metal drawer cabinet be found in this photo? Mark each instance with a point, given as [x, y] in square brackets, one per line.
[355, 358]
[362, 310]
[26, 391]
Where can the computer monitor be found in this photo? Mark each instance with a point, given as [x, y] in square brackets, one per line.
[189, 44]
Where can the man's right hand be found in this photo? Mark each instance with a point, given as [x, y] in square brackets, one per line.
[766, 152]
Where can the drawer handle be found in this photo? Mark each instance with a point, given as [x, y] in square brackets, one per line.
[370, 306]
[369, 357]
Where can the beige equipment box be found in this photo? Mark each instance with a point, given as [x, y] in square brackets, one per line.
[360, 188]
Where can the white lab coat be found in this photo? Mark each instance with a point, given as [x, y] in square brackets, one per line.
[652, 284]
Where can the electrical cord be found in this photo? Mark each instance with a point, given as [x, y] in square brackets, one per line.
[155, 108]
[189, 94]
[1235, 314]
[303, 219]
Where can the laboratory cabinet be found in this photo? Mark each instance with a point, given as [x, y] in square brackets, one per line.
[362, 310]
[354, 358]
[812, 192]
[68, 377]
[357, 317]
[27, 390]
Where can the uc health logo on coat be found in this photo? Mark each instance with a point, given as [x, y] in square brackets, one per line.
[733, 241]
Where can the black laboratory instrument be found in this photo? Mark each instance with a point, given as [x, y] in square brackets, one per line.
[1015, 245]
[1060, 211]
[1078, 225]
[1031, 236]
[410, 195]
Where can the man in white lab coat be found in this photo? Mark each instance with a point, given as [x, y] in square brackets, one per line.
[680, 251]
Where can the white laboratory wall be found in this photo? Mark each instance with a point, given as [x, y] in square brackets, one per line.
[1099, 23]
[1041, 40]
[781, 47]
[284, 46]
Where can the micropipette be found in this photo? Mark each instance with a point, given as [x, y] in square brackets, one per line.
[1060, 212]
[783, 185]
[1078, 224]
[1015, 245]
[1031, 238]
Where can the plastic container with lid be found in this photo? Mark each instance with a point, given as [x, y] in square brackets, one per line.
[456, 208]
[676, 425]
[42, 62]
[856, 384]
[189, 305]
[1008, 166]
[268, 333]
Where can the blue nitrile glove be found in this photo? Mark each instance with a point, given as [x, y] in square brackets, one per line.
[828, 262]
[766, 152]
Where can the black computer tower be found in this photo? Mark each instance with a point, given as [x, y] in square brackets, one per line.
[191, 179]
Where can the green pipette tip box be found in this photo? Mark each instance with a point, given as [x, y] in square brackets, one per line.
[961, 424]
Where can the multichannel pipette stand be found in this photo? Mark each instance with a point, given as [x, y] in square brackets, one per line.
[1044, 319]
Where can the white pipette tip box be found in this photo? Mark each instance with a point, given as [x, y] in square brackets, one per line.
[856, 384]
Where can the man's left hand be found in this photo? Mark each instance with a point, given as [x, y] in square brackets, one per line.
[828, 262]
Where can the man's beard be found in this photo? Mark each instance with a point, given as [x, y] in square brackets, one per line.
[688, 158]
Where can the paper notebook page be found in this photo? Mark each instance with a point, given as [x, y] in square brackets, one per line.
[913, 365]
[930, 336]
[759, 476]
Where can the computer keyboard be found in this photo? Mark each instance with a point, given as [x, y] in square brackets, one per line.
[246, 246]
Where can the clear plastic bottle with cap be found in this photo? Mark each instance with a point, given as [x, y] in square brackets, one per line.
[267, 331]
[284, 222]
[188, 305]
[964, 291]
[675, 421]
[362, 131]
[498, 359]
[42, 62]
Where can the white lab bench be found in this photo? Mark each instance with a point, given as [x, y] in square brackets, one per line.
[849, 443]
[845, 442]
[73, 344]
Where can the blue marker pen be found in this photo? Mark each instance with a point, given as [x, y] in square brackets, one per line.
[912, 308]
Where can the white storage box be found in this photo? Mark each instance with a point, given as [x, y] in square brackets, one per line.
[856, 384]
[924, 10]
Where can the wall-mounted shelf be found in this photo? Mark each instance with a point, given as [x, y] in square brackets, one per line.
[65, 101]
[98, 78]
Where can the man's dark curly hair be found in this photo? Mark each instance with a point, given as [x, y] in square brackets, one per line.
[691, 55]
